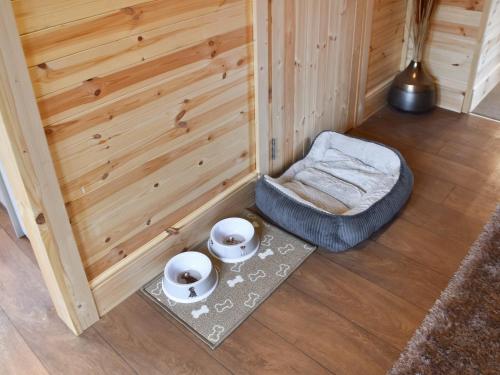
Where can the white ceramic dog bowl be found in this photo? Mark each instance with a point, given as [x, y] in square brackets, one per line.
[189, 277]
[233, 240]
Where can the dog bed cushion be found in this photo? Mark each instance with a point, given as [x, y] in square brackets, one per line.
[340, 193]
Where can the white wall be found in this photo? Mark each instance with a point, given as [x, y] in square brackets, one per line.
[7, 200]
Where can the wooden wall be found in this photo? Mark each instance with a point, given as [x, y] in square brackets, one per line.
[386, 46]
[314, 69]
[137, 99]
[488, 64]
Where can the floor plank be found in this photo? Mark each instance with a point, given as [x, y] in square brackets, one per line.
[477, 204]
[483, 161]
[434, 189]
[255, 349]
[242, 352]
[441, 220]
[436, 252]
[396, 273]
[22, 243]
[369, 306]
[25, 300]
[333, 341]
[15, 355]
[152, 345]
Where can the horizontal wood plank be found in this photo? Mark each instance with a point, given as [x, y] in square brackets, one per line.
[72, 37]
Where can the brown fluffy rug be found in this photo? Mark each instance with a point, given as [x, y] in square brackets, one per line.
[461, 333]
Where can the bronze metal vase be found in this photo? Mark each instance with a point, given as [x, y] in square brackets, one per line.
[413, 90]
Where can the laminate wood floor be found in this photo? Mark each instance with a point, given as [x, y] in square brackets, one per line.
[348, 313]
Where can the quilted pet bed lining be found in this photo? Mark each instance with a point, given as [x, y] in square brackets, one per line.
[341, 175]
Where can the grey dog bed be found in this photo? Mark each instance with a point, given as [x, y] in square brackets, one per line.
[343, 191]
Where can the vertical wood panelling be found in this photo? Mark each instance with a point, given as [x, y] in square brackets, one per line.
[487, 73]
[386, 45]
[262, 109]
[147, 107]
[315, 71]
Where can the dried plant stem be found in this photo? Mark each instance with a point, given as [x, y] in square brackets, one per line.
[422, 11]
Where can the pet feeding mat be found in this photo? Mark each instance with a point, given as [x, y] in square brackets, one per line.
[242, 286]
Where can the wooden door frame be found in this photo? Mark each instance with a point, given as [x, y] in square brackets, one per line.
[30, 170]
[24, 151]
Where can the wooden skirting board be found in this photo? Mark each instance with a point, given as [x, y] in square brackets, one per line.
[376, 98]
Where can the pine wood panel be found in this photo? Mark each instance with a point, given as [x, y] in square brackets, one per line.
[487, 74]
[137, 100]
[314, 72]
[33, 15]
[72, 37]
[134, 49]
[386, 46]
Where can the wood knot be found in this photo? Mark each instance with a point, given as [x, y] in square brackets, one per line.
[107, 239]
[180, 115]
[182, 124]
[224, 75]
[40, 219]
[172, 230]
[97, 136]
[128, 10]
[213, 54]
[42, 66]
[211, 43]
[140, 38]
[105, 175]
[97, 92]
[240, 62]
